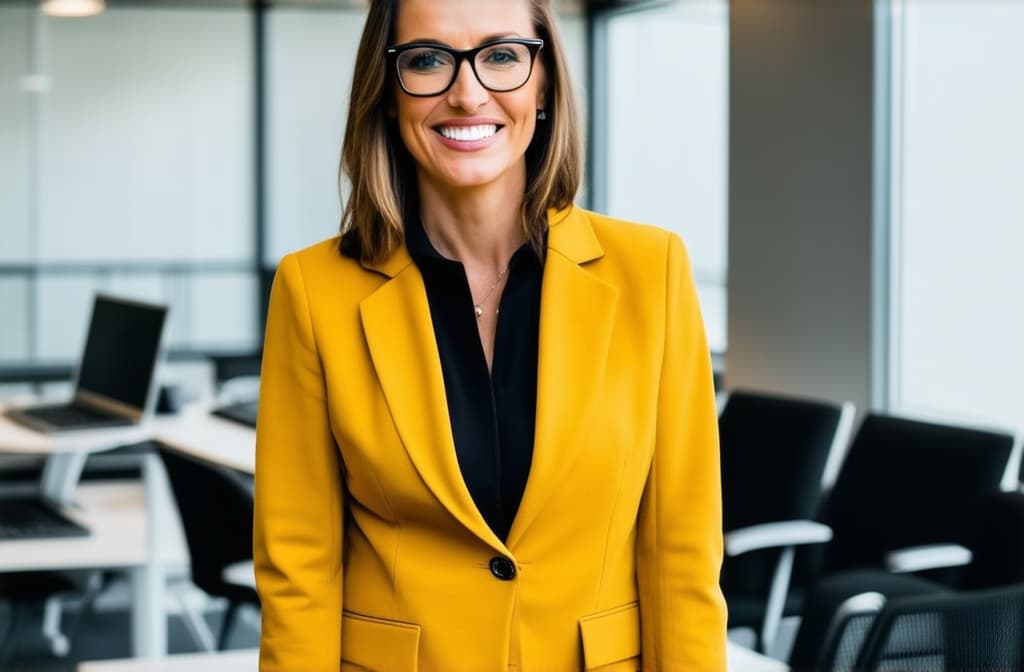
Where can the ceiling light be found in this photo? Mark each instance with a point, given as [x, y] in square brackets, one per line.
[72, 7]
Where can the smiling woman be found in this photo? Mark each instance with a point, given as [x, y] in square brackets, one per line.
[487, 433]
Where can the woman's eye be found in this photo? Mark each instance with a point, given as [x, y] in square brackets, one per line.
[501, 56]
[426, 60]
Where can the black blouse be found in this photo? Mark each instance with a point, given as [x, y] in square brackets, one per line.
[492, 414]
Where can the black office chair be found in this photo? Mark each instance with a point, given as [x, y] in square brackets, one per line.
[905, 622]
[908, 500]
[216, 508]
[778, 456]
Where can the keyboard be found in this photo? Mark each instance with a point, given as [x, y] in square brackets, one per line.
[243, 413]
[32, 518]
[66, 416]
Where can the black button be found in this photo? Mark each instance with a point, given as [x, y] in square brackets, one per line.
[503, 568]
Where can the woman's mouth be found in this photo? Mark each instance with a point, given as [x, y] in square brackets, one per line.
[468, 133]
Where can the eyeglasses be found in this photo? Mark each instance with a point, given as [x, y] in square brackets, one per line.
[430, 69]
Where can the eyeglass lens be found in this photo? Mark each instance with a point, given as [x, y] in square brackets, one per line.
[429, 71]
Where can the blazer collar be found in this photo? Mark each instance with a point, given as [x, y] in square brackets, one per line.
[569, 233]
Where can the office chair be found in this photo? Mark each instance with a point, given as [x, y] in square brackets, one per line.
[905, 515]
[905, 622]
[24, 590]
[216, 508]
[779, 454]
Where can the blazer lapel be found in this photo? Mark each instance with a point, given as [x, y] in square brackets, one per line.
[576, 320]
[400, 335]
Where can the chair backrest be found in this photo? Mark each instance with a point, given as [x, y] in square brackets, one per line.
[978, 631]
[216, 507]
[997, 544]
[907, 483]
[774, 451]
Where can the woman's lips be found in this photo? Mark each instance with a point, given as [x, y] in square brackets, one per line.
[468, 137]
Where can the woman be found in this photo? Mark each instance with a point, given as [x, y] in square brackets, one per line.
[487, 436]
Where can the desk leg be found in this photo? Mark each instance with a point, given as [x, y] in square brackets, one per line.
[149, 615]
[61, 474]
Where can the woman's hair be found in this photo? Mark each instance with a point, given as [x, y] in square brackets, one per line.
[382, 173]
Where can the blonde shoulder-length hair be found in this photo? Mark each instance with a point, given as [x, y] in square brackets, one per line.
[382, 173]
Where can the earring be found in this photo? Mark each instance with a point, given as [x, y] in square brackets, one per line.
[541, 115]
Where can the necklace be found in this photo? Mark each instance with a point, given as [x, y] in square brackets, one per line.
[478, 307]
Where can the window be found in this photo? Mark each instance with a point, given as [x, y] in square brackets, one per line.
[958, 210]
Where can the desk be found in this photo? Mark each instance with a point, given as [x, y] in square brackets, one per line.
[740, 660]
[197, 433]
[65, 454]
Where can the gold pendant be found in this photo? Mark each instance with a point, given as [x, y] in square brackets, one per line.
[479, 311]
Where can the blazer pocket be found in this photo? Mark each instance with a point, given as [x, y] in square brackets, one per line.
[611, 636]
[379, 644]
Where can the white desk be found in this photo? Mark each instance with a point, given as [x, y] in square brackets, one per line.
[229, 661]
[197, 433]
[66, 453]
[740, 660]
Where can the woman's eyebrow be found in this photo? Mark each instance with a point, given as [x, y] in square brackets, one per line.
[485, 40]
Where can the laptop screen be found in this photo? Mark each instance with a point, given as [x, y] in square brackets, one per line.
[121, 350]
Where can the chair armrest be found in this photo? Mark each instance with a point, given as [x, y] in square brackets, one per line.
[929, 556]
[775, 535]
[240, 574]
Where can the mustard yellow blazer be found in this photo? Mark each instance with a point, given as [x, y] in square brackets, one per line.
[369, 551]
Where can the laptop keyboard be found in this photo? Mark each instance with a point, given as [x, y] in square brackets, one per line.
[31, 518]
[66, 416]
[243, 413]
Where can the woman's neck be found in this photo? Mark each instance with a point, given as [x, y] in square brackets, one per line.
[481, 227]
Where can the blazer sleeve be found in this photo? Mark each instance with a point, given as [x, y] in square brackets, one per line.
[679, 539]
[298, 526]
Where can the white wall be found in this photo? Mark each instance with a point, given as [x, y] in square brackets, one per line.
[141, 144]
[310, 57]
[958, 346]
[15, 142]
[147, 151]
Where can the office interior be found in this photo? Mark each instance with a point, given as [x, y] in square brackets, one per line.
[846, 176]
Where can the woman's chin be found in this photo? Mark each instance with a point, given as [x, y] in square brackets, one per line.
[471, 177]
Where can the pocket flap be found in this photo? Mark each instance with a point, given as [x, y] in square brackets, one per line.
[611, 635]
[379, 644]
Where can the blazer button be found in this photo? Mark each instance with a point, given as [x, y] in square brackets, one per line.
[502, 568]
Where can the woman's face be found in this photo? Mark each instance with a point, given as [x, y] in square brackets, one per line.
[468, 136]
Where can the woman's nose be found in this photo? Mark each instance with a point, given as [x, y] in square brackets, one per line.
[466, 91]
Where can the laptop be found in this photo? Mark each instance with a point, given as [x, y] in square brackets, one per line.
[35, 517]
[242, 412]
[115, 380]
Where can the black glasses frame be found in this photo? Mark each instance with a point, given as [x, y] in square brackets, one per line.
[533, 44]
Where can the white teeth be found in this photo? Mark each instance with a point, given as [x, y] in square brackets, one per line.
[468, 133]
